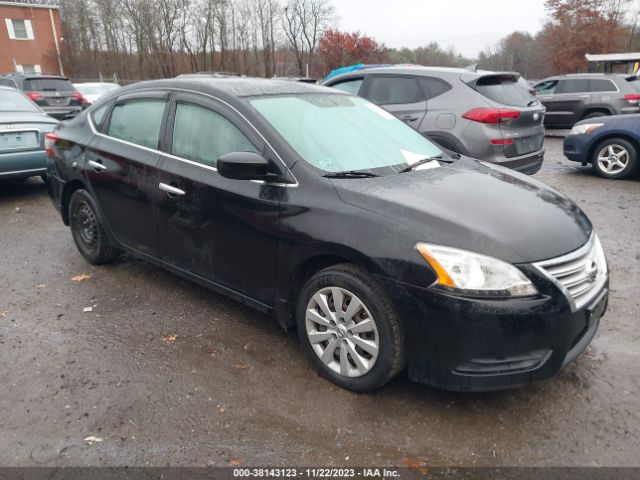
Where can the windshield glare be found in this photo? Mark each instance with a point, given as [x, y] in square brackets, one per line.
[13, 101]
[335, 132]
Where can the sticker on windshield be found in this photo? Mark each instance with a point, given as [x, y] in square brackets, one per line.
[380, 111]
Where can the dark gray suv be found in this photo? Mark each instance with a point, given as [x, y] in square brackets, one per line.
[54, 94]
[571, 98]
[481, 114]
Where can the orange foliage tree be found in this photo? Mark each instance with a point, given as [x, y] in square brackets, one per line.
[338, 49]
[583, 26]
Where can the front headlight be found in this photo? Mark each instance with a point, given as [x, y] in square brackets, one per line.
[584, 129]
[472, 274]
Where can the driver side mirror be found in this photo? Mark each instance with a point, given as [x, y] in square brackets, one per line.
[246, 166]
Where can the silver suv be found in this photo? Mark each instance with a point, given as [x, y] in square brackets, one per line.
[571, 98]
[481, 114]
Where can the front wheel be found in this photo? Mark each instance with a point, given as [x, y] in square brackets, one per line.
[615, 158]
[349, 328]
[88, 231]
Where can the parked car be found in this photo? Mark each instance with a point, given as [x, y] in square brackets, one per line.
[92, 91]
[610, 144]
[23, 126]
[484, 115]
[52, 93]
[327, 212]
[571, 98]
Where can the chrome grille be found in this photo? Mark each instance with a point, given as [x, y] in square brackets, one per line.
[580, 275]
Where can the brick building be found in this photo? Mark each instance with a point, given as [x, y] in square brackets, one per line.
[30, 37]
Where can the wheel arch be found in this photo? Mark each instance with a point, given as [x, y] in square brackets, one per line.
[67, 192]
[593, 109]
[305, 270]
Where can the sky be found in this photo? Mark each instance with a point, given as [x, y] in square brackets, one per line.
[467, 25]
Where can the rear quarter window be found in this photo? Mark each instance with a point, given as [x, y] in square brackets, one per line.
[504, 89]
[48, 85]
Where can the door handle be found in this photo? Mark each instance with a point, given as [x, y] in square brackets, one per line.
[409, 118]
[96, 165]
[171, 190]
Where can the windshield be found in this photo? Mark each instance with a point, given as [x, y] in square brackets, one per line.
[336, 133]
[14, 101]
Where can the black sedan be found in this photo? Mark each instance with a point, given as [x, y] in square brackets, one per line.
[325, 211]
[610, 144]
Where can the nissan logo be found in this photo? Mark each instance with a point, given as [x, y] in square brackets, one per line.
[592, 272]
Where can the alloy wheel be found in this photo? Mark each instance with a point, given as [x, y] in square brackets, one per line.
[342, 332]
[613, 159]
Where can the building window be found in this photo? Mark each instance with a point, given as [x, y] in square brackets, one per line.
[28, 69]
[19, 29]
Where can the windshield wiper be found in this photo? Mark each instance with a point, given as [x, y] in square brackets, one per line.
[532, 102]
[418, 163]
[351, 174]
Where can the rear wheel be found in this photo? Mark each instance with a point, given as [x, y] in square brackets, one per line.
[88, 231]
[615, 158]
[596, 114]
[349, 328]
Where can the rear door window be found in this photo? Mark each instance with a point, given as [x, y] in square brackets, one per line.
[48, 85]
[504, 89]
[386, 90]
[138, 121]
[434, 87]
[573, 85]
[602, 85]
[349, 86]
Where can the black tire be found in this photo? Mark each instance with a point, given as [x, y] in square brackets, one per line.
[631, 162]
[88, 230]
[596, 114]
[390, 337]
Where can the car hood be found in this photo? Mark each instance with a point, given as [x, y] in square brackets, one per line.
[477, 207]
[13, 118]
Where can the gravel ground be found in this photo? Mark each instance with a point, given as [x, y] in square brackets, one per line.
[232, 388]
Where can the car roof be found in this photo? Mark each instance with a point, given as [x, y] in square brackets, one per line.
[583, 75]
[469, 74]
[231, 86]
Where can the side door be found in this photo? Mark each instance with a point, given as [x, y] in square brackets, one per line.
[400, 95]
[216, 228]
[570, 100]
[121, 165]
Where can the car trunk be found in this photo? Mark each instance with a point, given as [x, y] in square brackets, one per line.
[23, 132]
[521, 135]
[56, 92]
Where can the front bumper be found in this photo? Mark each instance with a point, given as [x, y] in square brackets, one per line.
[576, 148]
[465, 344]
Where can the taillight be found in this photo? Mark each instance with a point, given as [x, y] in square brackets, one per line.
[501, 141]
[35, 96]
[49, 142]
[632, 97]
[491, 115]
[78, 96]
